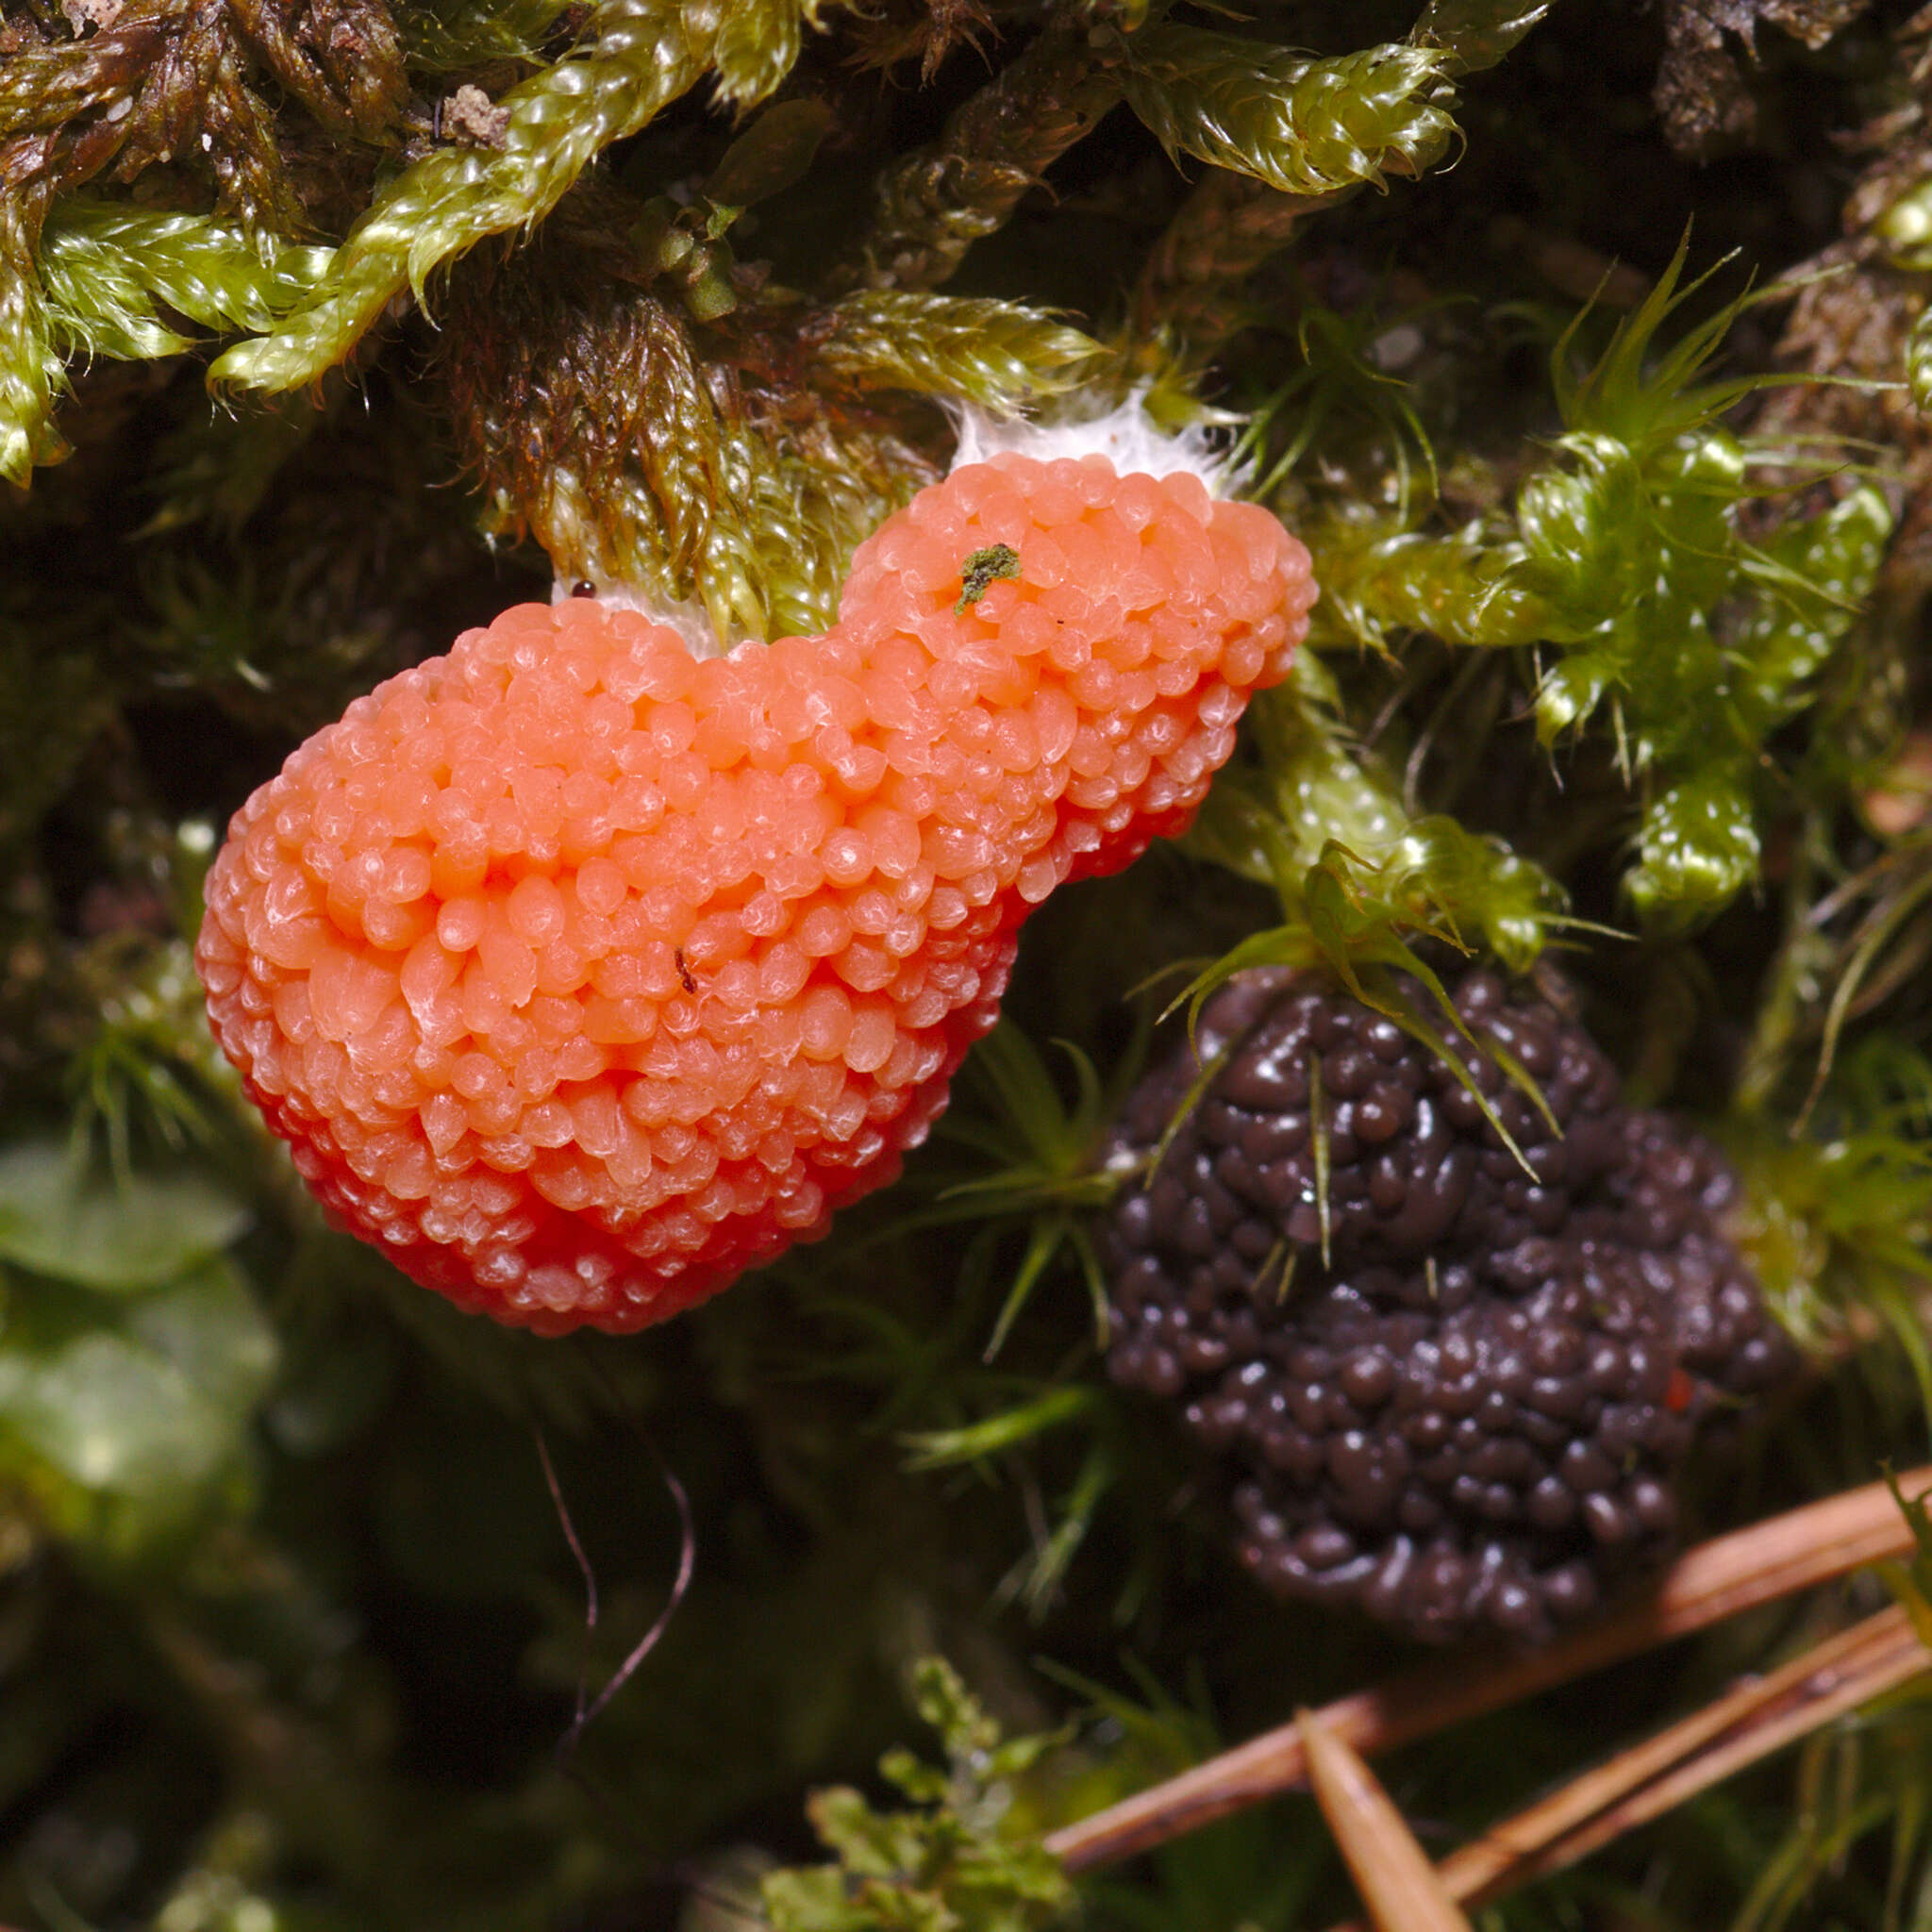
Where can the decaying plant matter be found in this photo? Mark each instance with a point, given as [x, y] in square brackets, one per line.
[1586, 348]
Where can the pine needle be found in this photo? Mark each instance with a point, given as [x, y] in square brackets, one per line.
[1392, 1871]
[1758, 1717]
[1718, 1579]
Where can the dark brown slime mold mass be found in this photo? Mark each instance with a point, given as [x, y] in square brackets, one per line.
[1472, 1415]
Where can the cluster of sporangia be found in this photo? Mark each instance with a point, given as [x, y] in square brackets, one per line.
[1470, 1414]
[583, 974]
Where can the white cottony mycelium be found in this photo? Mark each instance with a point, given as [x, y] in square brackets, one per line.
[1126, 434]
[688, 618]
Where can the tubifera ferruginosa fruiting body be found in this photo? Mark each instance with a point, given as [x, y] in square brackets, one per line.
[582, 973]
[1469, 1414]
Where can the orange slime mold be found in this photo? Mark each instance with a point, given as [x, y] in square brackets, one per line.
[582, 975]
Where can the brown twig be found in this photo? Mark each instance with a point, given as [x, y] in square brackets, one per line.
[1718, 1579]
[1756, 1718]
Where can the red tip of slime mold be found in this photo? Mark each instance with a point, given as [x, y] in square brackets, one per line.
[582, 975]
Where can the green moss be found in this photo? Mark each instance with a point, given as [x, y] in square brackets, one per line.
[1300, 126]
[941, 1866]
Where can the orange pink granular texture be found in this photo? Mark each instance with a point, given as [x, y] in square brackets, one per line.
[582, 975]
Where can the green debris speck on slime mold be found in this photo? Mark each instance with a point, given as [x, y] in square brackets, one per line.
[997, 562]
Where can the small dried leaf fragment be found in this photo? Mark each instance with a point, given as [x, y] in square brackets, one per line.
[996, 563]
[81, 15]
[1901, 800]
[1701, 95]
[469, 117]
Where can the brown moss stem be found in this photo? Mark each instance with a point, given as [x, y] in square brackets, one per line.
[934, 203]
[1226, 229]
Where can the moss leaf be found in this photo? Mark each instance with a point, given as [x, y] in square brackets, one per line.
[456, 34]
[124, 1417]
[106, 269]
[1699, 844]
[119, 1233]
[29, 365]
[637, 56]
[991, 354]
[1478, 32]
[757, 43]
[1302, 126]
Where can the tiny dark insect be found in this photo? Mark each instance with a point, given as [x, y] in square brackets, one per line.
[691, 985]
